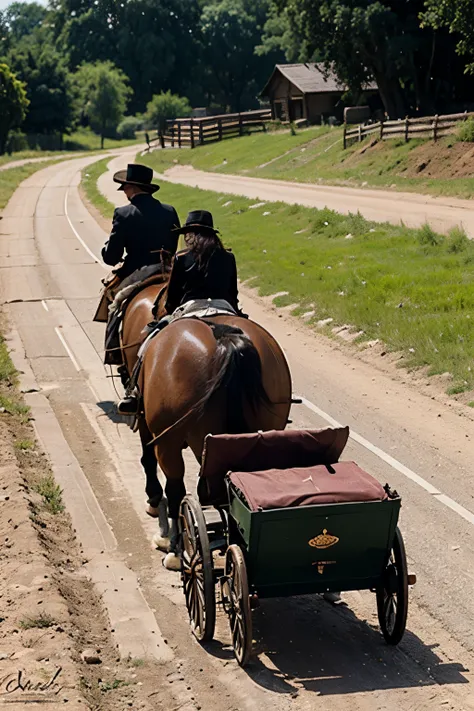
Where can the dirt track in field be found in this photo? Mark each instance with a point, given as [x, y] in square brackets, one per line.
[308, 654]
[414, 210]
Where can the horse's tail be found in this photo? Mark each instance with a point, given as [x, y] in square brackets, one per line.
[237, 368]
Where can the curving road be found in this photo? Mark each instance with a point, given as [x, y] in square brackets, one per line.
[414, 210]
[310, 655]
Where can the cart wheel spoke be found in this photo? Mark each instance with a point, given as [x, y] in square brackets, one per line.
[197, 572]
[240, 619]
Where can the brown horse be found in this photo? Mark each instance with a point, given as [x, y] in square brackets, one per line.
[224, 374]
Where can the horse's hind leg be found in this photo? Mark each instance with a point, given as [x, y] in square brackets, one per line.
[171, 461]
[157, 507]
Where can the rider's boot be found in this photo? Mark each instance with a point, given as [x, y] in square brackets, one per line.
[128, 406]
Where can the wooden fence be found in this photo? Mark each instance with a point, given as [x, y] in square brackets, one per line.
[193, 132]
[430, 127]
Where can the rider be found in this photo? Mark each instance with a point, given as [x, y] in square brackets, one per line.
[141, 230]
[204, 270]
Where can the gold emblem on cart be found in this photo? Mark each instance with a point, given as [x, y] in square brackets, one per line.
[324, 540]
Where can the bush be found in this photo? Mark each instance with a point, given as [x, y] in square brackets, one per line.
[465, 131]
[128, 127]
[166, 107]
[426, 235]
[17, 141]
[457, 240]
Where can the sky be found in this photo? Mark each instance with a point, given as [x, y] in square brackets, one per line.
[5, 3]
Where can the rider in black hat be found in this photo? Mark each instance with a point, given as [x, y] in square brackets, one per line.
[205, 269]
[143, 228]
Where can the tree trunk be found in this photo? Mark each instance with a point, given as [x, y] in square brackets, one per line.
[391, 95]
[3, 142]
[101, 141]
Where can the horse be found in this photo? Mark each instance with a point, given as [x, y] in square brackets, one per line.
[224, 374]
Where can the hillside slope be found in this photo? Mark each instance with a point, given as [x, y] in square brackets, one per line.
[316, 155]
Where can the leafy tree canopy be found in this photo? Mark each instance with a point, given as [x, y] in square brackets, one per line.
[166, 107]
[104, 94]
[13, 104]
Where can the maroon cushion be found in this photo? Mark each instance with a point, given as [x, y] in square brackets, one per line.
[282, 488]
[264, 450]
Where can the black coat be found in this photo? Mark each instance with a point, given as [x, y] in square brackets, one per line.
[218, 280]
[141, 229]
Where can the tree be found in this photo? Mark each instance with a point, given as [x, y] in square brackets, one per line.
[458, 17]
[23, 19]
[48, 87]
[230, 32]
[166, 107]
[104, 94]
[13, 104]
[152, 41]
[362, 40]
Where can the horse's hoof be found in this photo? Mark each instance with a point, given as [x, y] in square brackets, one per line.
[172, 562]
[152, 511]
[161, 542]
[333, 597]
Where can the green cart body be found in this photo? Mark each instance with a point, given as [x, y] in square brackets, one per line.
[282, 558]
[290, 550]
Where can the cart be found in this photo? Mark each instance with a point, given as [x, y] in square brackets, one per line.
[277, 514]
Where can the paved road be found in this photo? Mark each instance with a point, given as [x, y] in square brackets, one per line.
[307, 650]
[378, 205]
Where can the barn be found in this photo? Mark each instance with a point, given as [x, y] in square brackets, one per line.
[305, 91]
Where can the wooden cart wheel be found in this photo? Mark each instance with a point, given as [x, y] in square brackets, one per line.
[392, 595]
[197, 570]
[237, 604]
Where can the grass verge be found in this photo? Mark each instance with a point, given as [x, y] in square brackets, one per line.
[11, 178]
[89, 178]
[317, 156]
[412, 289]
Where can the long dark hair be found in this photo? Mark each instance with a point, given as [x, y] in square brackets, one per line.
[203, 244]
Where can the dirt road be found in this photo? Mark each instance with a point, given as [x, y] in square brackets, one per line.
[414, 210]
[309, 654]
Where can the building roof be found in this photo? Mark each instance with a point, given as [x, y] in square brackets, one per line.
[309, 78]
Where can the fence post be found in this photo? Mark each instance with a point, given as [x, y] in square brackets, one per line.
[344, 137]
[179, 134]
[360, 133]
[381, 129]
[435, 128]
[407, 127]
[219, 126]
[172, 136]
[240, 124]
[162, 138]
[192, 132]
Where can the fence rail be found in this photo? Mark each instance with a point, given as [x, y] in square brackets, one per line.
[431, 126]
[198, 131]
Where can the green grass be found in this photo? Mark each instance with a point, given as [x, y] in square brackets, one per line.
[316, 156]
[89, 178]
[41, 621]
[86, 140]
[11, 178]
[51, 494]
[413, 289]
[24, 445]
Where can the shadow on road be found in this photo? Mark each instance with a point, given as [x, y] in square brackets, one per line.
[305, 643]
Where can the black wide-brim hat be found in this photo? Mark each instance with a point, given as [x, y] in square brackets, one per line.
[136, 174]
[196, 220]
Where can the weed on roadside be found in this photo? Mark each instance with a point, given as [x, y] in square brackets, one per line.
[14, 407]
[24, 445]
[51, 494]
[105, 686]
[41, 621]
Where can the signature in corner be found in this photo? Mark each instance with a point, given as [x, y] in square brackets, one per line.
[18, 682]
